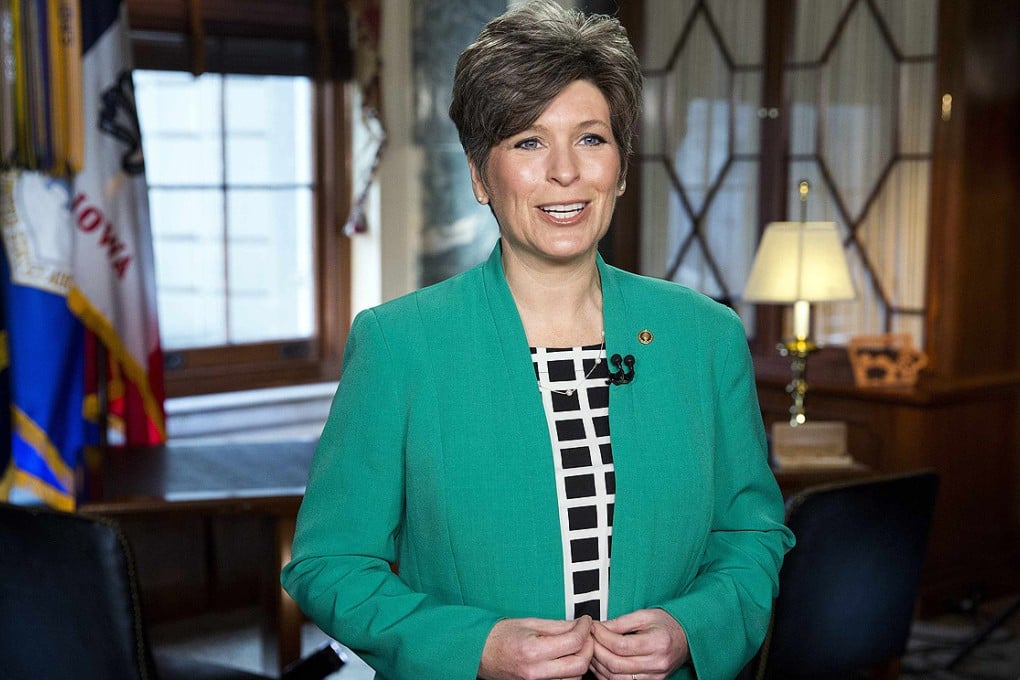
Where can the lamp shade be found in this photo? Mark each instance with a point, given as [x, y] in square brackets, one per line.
[799, 261]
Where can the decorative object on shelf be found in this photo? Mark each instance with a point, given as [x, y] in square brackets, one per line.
[885, 360]
[800, 263]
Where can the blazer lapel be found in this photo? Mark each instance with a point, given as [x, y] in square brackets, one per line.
[628, 520]
[530, 470]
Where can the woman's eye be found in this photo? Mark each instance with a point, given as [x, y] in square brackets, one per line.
[593, 140]
[527, 144]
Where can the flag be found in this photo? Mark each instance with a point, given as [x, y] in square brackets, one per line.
[6, 462]
[78, 280]
[40, 85]
[8, 136]
[45, 354]
[114, 285]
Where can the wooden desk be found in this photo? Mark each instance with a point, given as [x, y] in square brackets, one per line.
[260, 479]
[794, 480]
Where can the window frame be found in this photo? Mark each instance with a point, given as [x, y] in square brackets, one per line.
[235, 367]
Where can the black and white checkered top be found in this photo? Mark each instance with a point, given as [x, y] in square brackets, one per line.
[575, 394]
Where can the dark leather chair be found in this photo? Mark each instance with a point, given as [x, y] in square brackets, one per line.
[848, 589]
[70, 607]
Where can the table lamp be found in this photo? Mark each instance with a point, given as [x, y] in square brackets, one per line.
[799, 263]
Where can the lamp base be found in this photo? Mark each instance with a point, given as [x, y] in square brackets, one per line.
[800, 349]
[814, 443]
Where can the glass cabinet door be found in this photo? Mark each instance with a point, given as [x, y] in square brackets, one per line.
[699, 147]
[860, 80]
[859, 105]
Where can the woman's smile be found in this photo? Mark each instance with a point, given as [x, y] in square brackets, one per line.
[564, 213]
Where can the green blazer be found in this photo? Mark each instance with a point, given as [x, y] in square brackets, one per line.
[436, 456]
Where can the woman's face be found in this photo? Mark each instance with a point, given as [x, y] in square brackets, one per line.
[553, 187]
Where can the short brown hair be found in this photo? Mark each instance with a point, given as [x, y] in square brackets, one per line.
[524, 58]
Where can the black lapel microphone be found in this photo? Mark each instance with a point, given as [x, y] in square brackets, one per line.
[621, 376]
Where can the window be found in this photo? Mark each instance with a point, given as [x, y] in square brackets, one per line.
[229, 168]
[245, 163]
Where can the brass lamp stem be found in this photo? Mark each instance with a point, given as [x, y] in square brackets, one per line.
[800, 348]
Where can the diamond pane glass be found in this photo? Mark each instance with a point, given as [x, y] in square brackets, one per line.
[895, 232]
[815, 23]
[836, 322]
[859, 84]
[696, 272]
[651, 141]
[747, 98]
[668, 224]
[803, 87]
[733, 17]
[730, 234]
[917, 97]
[912, 24]
[664, 20]
[820, 204]
[698, 95]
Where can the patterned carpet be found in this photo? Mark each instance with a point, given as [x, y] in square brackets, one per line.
[935, 645]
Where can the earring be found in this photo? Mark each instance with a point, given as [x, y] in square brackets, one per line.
[482, 199]
[623, 187]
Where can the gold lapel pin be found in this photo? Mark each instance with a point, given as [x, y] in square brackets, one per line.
[645, 337]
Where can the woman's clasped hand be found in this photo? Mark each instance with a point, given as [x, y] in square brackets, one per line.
[537, 649]
[648, 644]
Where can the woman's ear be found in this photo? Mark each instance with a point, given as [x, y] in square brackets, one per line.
[477, 185]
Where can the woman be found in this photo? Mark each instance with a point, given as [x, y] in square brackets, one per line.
[483, 461]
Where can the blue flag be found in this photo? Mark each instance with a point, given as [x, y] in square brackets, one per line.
[45, 341]
[6, 467]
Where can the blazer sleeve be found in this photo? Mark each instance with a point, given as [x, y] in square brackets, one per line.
[726, 609]
[349, 524]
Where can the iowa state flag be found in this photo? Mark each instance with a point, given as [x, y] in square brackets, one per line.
[114, 291]
[78, 272]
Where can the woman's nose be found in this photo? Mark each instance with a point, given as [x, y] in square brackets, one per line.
[563, 166]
